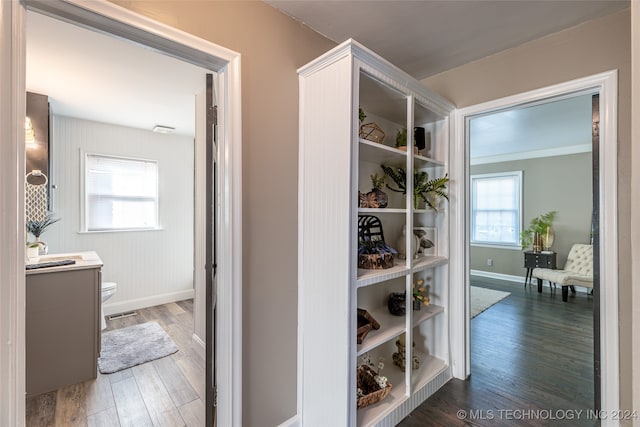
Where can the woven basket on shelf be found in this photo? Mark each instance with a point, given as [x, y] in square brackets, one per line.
[366, 381]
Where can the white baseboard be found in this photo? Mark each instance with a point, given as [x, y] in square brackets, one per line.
[291, 422]
[135, 304]
[517, 279]
[499, 276]
[199, 346]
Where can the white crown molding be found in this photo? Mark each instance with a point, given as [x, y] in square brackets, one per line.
[527, 155]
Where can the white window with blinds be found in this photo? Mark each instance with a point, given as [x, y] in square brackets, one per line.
[120, 193]
[496, 209]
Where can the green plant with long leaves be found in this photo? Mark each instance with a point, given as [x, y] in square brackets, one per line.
[401, 138]
[429, 190]
[38, 227]
[537, 225]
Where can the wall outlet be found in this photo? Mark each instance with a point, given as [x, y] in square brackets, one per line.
[490, 262]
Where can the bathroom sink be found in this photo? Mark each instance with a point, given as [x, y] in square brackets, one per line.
[53, 258]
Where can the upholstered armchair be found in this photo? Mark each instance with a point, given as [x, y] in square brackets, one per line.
[578, 270]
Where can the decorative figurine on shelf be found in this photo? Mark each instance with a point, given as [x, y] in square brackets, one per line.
[376, 198]
[402, 244]
[373, 252]
[399, 356]
[366, 322]
[420, 295]
[397, 303]
[372, 387]
[426, 243]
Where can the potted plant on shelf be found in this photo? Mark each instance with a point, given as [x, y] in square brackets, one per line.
[430, 191]
[401, 141]
[420, 295]
[539, 233]
[376, 198]
[375, 254]
[37, 227]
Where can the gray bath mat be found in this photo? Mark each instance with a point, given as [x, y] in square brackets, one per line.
[133, 345]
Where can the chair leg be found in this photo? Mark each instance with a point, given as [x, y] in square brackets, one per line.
[573, 289]
[565, 293]
[539, 285]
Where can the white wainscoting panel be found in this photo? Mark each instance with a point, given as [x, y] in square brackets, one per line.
[150, 267]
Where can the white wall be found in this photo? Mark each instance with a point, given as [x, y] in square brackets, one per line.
[150, 267]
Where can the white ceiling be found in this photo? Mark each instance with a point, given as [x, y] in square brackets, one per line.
[95, 77]
[559, 127]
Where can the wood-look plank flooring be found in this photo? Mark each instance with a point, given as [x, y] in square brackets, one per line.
[530, 353]
[165, 392]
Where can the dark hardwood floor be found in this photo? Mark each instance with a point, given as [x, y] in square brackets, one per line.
[531, 364]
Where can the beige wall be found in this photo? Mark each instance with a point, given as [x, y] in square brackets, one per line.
[590, 48]
[560, 183]
[272, 46]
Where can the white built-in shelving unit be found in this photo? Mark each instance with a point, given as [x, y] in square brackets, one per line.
[335, 164]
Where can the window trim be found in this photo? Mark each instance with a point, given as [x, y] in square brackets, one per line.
[84, 197]
[497, 245]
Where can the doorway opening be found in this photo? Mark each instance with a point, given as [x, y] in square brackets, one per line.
[118, 22]
[129, 193]
[532, 162]
[605, 85]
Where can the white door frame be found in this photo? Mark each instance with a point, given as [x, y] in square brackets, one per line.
[606, 84]
[115, 20]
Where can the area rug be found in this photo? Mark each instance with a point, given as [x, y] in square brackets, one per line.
[134, 345]
[483, 298]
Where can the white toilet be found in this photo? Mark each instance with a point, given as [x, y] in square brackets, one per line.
[108, 289]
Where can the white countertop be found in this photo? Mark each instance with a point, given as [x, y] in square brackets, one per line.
[83, 260]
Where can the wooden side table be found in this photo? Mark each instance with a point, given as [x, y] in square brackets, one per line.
[538, 260]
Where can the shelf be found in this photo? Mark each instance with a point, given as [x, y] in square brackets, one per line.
[425, 211]
[390, 327]
[426, 313]
[381, 211]
[392, 100]
[375, 152]
[429, 262]
[430, 367]
[373, 414]
[368, 277]
[422, 161]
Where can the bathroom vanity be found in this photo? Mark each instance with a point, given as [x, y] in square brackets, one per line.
[62, 322]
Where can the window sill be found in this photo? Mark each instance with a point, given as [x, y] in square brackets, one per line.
[120, 230]
[487, 245]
